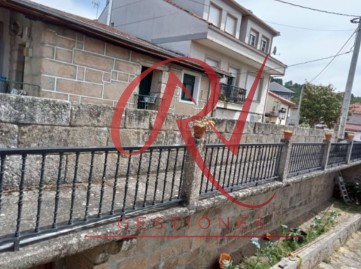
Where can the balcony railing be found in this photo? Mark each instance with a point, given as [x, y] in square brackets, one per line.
[232, 94]
[50, 192]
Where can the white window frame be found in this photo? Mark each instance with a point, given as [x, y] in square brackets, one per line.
[196, 92]
[211, 5]
[235, 24]
[256, 35]
[266, 40]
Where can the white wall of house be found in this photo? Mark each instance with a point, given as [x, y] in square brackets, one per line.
[274, 104]
[262, 32]
[156, 21]
[244, 79]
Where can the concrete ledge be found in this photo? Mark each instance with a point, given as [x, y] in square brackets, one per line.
[315, 252]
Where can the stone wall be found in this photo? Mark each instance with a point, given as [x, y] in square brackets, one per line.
[40, 122]
[291, 201]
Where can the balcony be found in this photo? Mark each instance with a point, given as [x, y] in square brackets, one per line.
[232, 94]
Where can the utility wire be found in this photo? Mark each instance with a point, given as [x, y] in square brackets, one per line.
[318, 10]
[310, 29]
[333, 58]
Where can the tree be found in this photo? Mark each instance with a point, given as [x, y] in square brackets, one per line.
[320, 104]
[296, 88]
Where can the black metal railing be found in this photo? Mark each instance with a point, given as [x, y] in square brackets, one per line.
[232, 94]
[47, 192]
[356, 152]
[18, 87]
[254, 164]
[306, 157]
[338, 154]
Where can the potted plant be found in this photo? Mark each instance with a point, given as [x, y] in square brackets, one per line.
[287, 135]
[200, 127]
[328, 136]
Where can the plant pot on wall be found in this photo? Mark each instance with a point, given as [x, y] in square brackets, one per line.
[350, 136]
[287, 135]
[199, 131]
[328, 136]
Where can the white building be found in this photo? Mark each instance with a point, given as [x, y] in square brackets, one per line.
[222, 33]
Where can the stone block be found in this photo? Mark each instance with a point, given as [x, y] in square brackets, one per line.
[92, 115]
[64, 55]
[33, 110]
[54, 95]
[8, 135]
[127, 67]
[55, 136]
[113, 90]
[117, 52]
[169, 124]
[93, 76]
[64, 70]
[47, 83]
[94, 45]
[93, 61]
[96, 101]
[51, 38]
[32, 171]
[137, 119]
[79, 88]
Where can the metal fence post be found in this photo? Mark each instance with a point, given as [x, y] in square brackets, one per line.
[283, 166]
[192, 176]
[326, 154]
[349, 152]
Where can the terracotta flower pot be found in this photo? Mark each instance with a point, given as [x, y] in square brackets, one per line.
[328, 136]
[223, 257]
[350, 136]
[199, 132]
[287, 135]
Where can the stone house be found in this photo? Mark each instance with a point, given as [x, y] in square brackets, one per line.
[52, 54]
[224, 34]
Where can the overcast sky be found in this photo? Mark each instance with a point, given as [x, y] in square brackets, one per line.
[328, 34]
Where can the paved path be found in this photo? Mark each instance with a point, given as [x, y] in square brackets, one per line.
[347, 256]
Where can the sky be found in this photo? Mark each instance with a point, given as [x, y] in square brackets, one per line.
[325, 36]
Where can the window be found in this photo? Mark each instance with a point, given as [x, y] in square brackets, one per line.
[191, 83]
[249, 83]
[253, 38]
[211, 62]
[231, 23]
[215, 15]
[264, 44]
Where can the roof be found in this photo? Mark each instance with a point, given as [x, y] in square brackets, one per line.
[283, 100]
[91, 28]
[243, 10]
[276, 87]
[353, 127]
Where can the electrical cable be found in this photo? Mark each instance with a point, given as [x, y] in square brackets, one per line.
[318, 10]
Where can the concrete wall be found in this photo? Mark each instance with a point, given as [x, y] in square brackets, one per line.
[290, 202]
